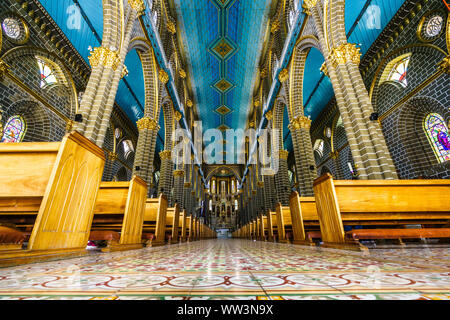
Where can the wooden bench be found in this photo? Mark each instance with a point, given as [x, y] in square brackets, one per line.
[172, 224]
[272, 225]
[380, 204]
[120, 207]
[183, 226]
[304, 219]
[49, 189]
[154, 228]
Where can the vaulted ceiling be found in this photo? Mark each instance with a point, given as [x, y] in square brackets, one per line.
[222, 41]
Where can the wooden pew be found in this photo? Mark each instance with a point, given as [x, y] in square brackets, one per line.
[120, 207]
[301, 211]
[264, 228]
[379, 203]
[172, 223]
[155, 221]
[272, 225]
[49, 189]
[184, 227]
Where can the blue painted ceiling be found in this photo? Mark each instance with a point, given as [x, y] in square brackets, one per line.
[364, 21]
[223, 39]
[82, 23]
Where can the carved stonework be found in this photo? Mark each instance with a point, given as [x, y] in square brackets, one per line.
[163, 76]
[137, 5]
[346, 52]
[301, 122]
[284, 75]
[147, 123]
[178, 173]
[165, 155]
[284, 154]
[307, 5]
[171, 27]
[104, 56]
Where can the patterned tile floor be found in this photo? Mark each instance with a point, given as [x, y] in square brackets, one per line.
[236, 269]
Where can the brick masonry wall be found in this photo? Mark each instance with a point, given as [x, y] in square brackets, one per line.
[42, 123]
[403, 128]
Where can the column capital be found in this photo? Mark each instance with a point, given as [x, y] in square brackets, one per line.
[165, 155]
[284, 75]
[346, 52]
[138, 6]
[301, 122]
[178, 173]
[147, 123]
[163, 76]
[104, 56]
[284, 154]
[307, 5]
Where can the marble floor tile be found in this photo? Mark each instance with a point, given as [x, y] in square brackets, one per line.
[236, 269]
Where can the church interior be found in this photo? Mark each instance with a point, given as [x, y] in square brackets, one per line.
[119, 121]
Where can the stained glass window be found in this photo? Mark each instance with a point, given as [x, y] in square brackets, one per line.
[399, 71]
[438, 135]
[14, 130]
[47, 75]
[12, 28]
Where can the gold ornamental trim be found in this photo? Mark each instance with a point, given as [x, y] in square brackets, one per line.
[147, 123]
[263, 73]
[269, 115]
[163, 76]
[171, 27]
[178, 173]
[284, 75]
[301, 122]
[308, 5]
[112, 156]
[124, 72]
[4, 68]
[104, 56]
[284, 154]
[324, 69]
[260, 184]
[444, 65]
[345, 53]
[165, 155]
[187, 184]
[138, 6]
[182, 73]
[177, 115]
[275, 26]
[189, 103]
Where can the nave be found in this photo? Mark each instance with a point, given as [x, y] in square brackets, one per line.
[236, 269]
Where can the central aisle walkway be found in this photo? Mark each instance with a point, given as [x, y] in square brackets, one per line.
[235, 269]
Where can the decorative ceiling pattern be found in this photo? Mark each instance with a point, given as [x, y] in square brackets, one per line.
[223, 40]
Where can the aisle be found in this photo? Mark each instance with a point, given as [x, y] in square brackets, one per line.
[235, 269]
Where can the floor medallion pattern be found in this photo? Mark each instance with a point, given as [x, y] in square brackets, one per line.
[236, 269]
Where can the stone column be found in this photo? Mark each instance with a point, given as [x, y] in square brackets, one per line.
[304, 155]
[166, 178]
[282, 179]
[365, 137]
[145, 151]
[107, 64]
[178, 181]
